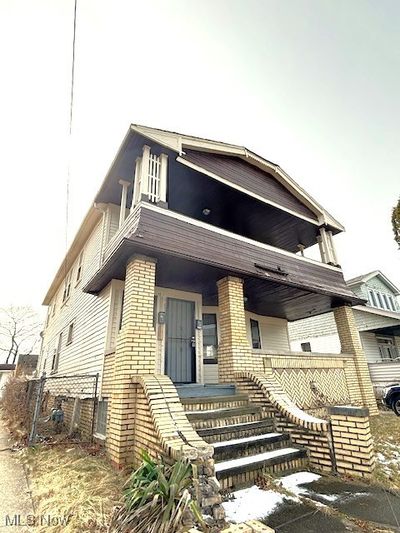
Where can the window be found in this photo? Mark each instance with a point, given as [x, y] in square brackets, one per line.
[386, 300]
[372, 299]
[306, 347]
[210, 336]
[255, 334]
[101, 421]
[380, 300]
[80, 267]
[67, 286]
[392, 303]
[70, 335]
[56, 354]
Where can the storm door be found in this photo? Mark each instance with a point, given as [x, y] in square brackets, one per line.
[180, 353]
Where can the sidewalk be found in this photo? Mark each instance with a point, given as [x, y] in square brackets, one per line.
[15, 499]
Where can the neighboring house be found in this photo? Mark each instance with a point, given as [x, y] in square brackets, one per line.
[378, 323]
[186, 271]
[6, 372]
[26, 364]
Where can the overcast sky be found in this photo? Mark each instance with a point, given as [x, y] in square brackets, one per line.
[312, 85]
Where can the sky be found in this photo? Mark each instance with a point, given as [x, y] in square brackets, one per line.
[312, 85]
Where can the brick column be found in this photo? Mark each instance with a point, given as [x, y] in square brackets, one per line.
[135, 353]
[351, 343]
[234, 351]
[352, 441]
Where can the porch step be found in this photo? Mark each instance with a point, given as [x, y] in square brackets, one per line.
[245, 443]
[243, 471]
[206, 418]
[199, 391]
[246, 446]
[215, 402]
[236, 431]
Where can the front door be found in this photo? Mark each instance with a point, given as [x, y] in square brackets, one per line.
[180, 353]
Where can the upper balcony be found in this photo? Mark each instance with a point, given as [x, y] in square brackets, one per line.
[244, 195]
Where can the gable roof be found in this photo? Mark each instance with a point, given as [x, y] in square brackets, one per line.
[376, 273]
[178, 142]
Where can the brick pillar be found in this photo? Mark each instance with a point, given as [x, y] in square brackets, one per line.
[352, 441]
[234, 352]
[135, 353]
[351, 343]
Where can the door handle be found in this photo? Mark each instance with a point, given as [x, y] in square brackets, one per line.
[193, 342]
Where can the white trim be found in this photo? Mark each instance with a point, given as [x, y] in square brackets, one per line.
[377, 311]
[245, 191]
[162, 295]
[215, 229]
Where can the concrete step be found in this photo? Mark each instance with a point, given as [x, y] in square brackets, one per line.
[242, 471]
[224, 416]
[237, 431]
[231, 449]
[197, 390]
[215, 402]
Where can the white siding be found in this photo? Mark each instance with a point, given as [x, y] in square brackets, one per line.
[366, 321]
[117, 289]
[384, 373]
[316, 326]
[210, 373]
[370, 346]
[326, 344]
[89, 314]
[113, 220]
[273, 332]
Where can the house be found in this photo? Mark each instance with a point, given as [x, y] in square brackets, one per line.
[378, 323]
[26, 364]
[6, 371]
[178, 289]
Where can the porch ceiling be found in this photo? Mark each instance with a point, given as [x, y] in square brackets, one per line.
[265, 297]
[392, 331]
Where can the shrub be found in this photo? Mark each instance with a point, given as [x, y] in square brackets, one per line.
[15, 407]
[157, 499]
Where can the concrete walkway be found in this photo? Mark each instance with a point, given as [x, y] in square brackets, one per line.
[15, 499]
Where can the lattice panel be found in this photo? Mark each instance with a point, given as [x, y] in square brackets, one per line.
[314, 387]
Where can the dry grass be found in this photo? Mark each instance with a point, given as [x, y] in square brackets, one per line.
[69, 482]
[14, 408]
[385, 429]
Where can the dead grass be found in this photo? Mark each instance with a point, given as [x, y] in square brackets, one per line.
[385, 430]
[69, 482]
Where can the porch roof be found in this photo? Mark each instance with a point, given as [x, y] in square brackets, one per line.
[193, 256]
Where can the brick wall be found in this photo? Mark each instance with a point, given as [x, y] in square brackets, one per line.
[351, 343]
[135, 354]
[234, 352]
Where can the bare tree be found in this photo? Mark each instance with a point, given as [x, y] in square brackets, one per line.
[19, 332]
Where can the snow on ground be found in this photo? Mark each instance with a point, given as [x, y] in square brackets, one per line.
[293, 482]
[252, 504]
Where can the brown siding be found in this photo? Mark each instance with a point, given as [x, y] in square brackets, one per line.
[249, 177]
[168, 234]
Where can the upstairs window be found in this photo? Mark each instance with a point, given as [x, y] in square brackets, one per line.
[372, 299]
[70, 335]
[80, 267]
[255, 334]
[56, 354]
[67, 286]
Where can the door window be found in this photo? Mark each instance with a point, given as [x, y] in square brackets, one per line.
[255, 334]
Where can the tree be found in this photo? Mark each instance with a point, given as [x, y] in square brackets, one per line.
[19, 332]
[396, 222]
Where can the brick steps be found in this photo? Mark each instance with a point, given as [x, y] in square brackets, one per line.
[243, 471]
[236, 431]
[245, 442]
[246, 446]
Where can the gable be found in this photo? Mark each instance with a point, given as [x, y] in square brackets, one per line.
[379, 284]
[246, 176]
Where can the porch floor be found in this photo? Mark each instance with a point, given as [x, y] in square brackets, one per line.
[198, 390]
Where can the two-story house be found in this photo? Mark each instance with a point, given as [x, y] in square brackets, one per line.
[187, 269]
[378, 323]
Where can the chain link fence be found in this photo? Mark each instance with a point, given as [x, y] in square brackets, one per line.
[62, 408]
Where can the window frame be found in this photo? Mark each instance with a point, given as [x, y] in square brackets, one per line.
[70, 334]
[79, 269]
[255, 323]
[56, 354]
[102, 432]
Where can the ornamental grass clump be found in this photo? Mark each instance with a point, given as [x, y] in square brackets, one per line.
[157, 499]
